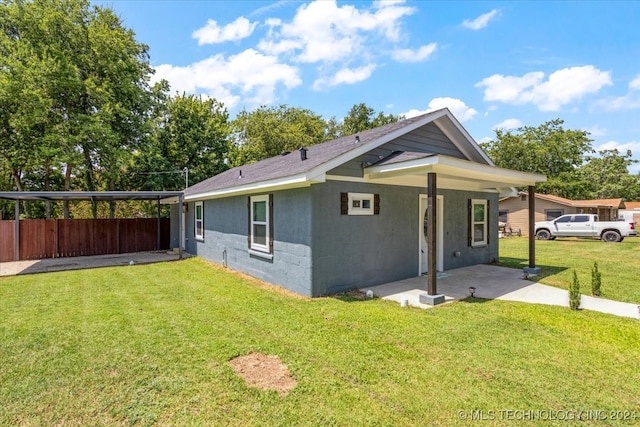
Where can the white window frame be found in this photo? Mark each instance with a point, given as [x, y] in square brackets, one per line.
[197, 220]
[360, 199]
[484, 222]
[258, 246]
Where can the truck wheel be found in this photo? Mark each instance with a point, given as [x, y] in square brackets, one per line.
[543, 234]
[611, 236]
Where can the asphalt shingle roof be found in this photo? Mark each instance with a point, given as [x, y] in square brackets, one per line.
[291, 164]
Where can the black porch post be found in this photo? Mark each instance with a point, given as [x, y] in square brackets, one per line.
[532, 227]
[432, 274]
[158, 226]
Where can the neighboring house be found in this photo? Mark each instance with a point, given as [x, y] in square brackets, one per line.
[350, 213]
[631, 212]
[514, 211]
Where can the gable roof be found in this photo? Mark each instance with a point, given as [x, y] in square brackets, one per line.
[290, 170]
[632, 205]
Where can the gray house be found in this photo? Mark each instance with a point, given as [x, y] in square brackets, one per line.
[357, 211]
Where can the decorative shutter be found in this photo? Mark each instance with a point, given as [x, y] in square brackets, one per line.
[249, 222]
[376, 204]
[270, 223]
[470, 222]
[344, 203]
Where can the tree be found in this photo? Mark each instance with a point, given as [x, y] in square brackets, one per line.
[269, 131]
[190, 132]
[73, 92]
[606, 176]
[362, 117]
[548, 149]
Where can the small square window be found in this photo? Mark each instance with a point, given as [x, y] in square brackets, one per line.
[360, 204]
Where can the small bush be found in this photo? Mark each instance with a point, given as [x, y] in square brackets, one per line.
[574, 292]
[596, 280]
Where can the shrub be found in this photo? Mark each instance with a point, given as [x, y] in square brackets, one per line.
[596, 280]
[574, 292]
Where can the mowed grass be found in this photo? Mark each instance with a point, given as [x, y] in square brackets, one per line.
[619, 263]
[149, 345]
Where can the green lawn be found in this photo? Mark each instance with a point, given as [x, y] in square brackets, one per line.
[619, 263]
[149, 344]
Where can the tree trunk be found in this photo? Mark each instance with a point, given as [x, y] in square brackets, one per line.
[67, 186]
[88, 178]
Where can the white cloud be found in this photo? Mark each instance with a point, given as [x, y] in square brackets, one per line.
[562, 87]
[345, 76]
[322, 31]
[508, 124]
[249, 74]
[635, 83]
[596, 131]
[634, 146]
[459, 109]
[481, 21]
[630, 101]
[408, 55]
[212, 33]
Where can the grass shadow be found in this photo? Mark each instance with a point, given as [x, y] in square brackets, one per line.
[475, 300]
[355, 295]
[519, 263]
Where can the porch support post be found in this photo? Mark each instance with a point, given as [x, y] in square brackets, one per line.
[16, 232]
[431, 297]
[532, 269]
[432, 276]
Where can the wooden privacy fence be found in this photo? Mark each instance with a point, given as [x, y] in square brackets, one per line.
[53, 238]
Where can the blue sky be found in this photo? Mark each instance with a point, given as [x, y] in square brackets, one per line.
[494, 64]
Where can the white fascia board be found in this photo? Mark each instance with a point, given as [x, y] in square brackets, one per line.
[455, 168]
[296, 181]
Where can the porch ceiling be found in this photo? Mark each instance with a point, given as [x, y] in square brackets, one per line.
[452, 174]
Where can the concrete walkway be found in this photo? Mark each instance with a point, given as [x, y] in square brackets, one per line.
[75, 263]
[493, 282]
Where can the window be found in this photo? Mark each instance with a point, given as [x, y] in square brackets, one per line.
[260, 232]
[553, 214]
[478, 222]
[581, 218]
[564, 219]
[360, 204]
[503, 216]
[199, 221]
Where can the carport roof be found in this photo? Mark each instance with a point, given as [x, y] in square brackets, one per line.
[163, 196]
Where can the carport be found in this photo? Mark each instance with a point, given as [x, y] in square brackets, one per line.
[161, 197]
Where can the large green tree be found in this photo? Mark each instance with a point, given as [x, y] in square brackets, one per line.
[74, 93]
[268, 131]
[362, 117]
[186, 132]
[547, 149]
[606, 176]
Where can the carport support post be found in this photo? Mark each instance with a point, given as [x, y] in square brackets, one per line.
[181, 231]
[16, 234]
[431, 297]
[158, 235]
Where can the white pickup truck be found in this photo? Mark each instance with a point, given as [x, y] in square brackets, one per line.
[584, 225]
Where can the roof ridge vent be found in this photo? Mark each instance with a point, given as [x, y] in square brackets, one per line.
[284, 153]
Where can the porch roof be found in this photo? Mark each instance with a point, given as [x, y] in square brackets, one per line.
[408, 168]
[162, 196]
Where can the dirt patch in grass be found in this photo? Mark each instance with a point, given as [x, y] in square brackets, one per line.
[264, 372]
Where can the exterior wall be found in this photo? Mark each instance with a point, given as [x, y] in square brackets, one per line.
[225, 239]
[318, 251]
[175, 227]
[518, 211]
[359, 251]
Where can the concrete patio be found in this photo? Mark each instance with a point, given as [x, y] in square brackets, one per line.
[95, 261]
[494, 282]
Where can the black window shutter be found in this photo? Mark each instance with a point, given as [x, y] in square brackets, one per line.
[470, 222]
[249, 221]
[376, 204]
[270, 223]
[344, 203]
